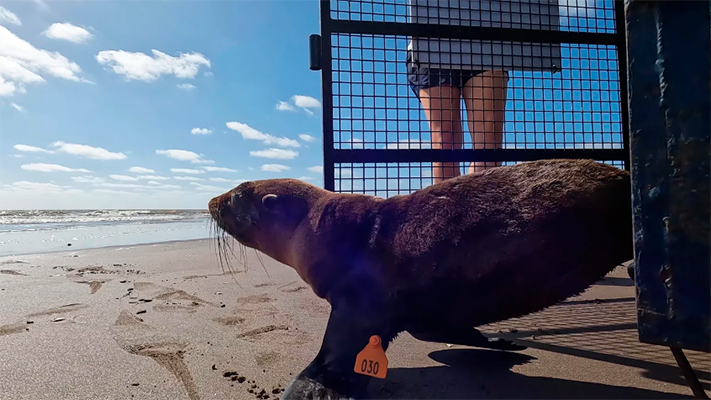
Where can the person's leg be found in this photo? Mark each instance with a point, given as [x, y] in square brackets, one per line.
[441, 106]
[485, 99]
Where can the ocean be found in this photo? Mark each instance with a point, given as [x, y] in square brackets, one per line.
[41, 231]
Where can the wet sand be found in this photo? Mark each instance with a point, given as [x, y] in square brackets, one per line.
[164, 321]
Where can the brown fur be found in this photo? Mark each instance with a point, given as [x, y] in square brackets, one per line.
[539, 232]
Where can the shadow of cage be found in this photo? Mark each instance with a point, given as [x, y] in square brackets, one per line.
[603, 330]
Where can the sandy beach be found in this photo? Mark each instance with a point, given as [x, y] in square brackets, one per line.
[164, 321]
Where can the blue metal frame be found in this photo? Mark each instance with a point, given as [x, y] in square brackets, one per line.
[669, 65]
[669, 62]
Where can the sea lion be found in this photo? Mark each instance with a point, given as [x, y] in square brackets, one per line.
[438, 262]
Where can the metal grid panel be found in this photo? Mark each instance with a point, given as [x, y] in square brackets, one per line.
[403, 84]
[571, 15]
[391, 179]
[375, 108]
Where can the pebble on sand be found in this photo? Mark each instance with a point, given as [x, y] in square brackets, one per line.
[141, 312]
[58, 319]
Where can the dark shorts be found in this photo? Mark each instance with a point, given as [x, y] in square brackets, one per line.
[420, 77]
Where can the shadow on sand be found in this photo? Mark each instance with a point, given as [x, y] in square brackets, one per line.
[475, 373]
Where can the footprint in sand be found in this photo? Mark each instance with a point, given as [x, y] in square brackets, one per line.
[9, 329]
[170, 299]
[22, 325]
[286, 335]
[255, 299]
[8, 262]
[141, 339]
[265, 329]
[11, 272]
[296, 289]
[59, 310]
[230, 320]
[93, 285]
[267, 359]
[254, 304]
[287, 288]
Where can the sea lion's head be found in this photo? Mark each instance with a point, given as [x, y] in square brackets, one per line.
[264, 214]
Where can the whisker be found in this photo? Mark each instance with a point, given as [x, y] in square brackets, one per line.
[261, 262]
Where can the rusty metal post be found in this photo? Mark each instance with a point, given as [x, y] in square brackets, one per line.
[668, 56]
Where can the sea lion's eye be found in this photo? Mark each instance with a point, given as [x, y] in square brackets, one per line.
[269, 200]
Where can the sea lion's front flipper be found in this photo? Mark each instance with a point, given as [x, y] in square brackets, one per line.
[465, 336]
[358, 311]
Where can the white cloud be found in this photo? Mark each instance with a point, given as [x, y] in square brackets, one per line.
[284, 106]
[279, 154]
[232, 181]
[21, 63]
[201, 131]
[9, 17]
[169, 187]
[37, 186]
[274, 168]
[250, 133]
[208, 188]
[87, 179]
[18, 107]
[68, 32]
[187, 178]
[17, 155]
[141, 170]
[307, 138]
[316, 169]
[153, 177]
[124, 178]
[40, 167]
[41, 4]
[151, 186]
[186, 171]
[306, 102]
[184, 155]
[306, 178]
[142, 67]
[122, 185]
[220, 180]
[31, 149]
[218, 169]
[109, 191]
[82, 150]
[186, 86]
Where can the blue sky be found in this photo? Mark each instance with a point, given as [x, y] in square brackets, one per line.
[164, 104]
[132, 106]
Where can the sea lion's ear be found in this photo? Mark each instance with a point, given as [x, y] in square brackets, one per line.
[269, 200]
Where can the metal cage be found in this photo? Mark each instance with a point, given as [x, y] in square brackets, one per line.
[565, 98]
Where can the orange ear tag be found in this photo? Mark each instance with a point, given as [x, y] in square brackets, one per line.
[371, 360]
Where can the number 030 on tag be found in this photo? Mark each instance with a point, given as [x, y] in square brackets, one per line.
[371, 360]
